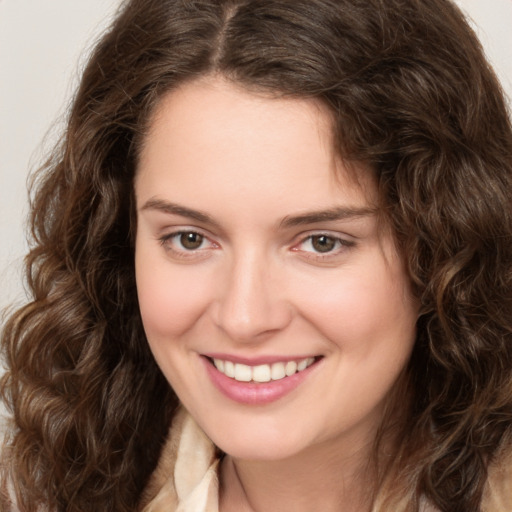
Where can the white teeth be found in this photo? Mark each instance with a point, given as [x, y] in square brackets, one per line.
[302, 365]
[291, 368]
[243, 373]
[229, 369]
[262, 372]
[278, 371]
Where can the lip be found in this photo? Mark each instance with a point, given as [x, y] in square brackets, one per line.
[255, 393]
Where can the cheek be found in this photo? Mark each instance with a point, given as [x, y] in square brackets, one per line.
[170, 298]
[363, 308]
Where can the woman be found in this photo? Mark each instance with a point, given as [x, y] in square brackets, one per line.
[285, 228]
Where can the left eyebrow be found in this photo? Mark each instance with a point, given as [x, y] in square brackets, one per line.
[331, 214]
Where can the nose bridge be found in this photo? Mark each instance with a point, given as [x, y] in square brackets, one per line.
[249, 302]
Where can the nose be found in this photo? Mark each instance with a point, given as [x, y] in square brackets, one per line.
[251, 304]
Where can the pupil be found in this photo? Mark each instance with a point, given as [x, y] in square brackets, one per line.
[191, 240]
[323, 243]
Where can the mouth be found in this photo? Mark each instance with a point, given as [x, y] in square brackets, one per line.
[258, 382]
[262, 373]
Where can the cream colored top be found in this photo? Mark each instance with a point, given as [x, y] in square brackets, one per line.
[186, 479]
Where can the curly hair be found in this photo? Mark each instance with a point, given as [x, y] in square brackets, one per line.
[411, 94]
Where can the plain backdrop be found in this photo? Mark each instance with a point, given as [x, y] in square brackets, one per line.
[43, 47]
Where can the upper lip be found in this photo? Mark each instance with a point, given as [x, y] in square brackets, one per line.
[255, 361]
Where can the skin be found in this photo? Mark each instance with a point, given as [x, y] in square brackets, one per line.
[258, 286]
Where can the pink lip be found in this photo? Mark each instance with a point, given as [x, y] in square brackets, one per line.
[255, 393]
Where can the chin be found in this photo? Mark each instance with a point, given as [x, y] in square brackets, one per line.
[267, 452]
[258, 444]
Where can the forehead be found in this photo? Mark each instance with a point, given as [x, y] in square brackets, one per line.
[215, 107]
[212, 133]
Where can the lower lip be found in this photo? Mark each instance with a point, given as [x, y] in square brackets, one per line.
[256, 393]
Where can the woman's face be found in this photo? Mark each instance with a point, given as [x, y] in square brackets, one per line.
[258, 252]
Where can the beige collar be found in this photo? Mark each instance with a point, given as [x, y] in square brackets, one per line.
[186, 479]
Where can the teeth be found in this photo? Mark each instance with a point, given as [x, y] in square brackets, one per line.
[302, 365]
[262, 372]
[243, 373]
[229, 369]
[291, 368]
[278, 371]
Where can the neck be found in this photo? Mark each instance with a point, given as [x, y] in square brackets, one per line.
[324, 480]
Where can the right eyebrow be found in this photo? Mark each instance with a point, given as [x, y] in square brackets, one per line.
[176, 209]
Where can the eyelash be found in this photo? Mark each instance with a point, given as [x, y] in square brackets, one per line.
[340, 244]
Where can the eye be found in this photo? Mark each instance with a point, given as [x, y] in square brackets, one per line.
[321, 243]
[186, 243]
[323, 247]
[190, 241]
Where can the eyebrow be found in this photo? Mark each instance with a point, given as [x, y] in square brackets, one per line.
[176, 209]
[313, 217]
[329, 215]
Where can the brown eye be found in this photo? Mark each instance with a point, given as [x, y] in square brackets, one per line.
[323, 243]
[191, 240]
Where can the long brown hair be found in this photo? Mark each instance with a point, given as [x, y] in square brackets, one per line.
[410, 94]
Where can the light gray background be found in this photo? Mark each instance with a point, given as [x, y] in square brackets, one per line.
[43, 45]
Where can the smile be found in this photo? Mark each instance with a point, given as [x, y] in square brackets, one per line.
[259, 382]
[262, 372]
